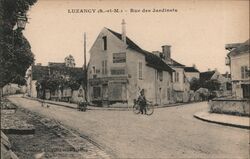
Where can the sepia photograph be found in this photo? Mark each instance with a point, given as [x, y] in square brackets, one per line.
[125, 79]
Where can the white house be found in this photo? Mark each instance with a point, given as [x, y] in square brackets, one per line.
[238, 61]
[118, 69]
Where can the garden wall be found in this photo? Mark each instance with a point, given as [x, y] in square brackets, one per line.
[230, 106]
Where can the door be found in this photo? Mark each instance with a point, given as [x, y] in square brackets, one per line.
[105, 92]
[246, 90]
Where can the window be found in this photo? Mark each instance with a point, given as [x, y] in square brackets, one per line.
[168, 93]
[93, 68]
[104, 42]
[119, 57]
[97, 71]
[140, 70]
[104, 67]
[176, 76]
[160, 75]
[117, 71]
[96, 92]
[244, 72]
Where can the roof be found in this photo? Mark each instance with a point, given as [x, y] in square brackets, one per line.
[151, 59]
[204, 76]
[56, 64]
[39, 72]
[190, 69]
[241, 48]
[176, 64]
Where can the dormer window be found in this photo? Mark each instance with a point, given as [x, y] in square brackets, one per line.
[104, 39]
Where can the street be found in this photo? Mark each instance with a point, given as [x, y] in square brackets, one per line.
[170, 132]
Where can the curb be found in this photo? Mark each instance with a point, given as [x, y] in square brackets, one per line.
[221, 123]
[59, 104]
[110, 108]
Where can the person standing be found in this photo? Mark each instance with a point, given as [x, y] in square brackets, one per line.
[142, 102]
[82, 105]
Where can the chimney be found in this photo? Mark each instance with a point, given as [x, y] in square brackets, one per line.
[166, 51]
[123, 31]
[194, 66]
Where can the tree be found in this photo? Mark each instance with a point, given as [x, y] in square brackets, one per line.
[195, 84]
[15, 50]
[211, 85]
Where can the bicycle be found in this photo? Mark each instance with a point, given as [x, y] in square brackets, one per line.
[149, 107]
[82, 106]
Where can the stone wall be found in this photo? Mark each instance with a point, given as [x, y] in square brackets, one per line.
[230, 106]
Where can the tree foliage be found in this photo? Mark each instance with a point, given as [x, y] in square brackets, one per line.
[195, 84]
[211, 85]
[57, 82]
[15, 51]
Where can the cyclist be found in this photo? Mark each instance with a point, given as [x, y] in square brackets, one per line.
[82, 104]
[142, 102]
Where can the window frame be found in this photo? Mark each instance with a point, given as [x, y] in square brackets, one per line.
[140, 70]
[105, 43]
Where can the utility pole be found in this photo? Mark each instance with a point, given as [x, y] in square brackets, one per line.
[85, 70]
[85, 67]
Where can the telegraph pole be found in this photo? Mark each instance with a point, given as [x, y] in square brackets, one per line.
[85, 70]
[85, 67]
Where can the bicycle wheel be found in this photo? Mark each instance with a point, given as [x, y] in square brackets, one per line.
[150, 109]
[136, 109]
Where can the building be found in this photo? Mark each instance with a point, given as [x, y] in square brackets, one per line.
[118, 69]
[69, 61]
[12, 88]
[238, 61]
[66, 71]
[191, 73]
[181, 85]
[214, 75]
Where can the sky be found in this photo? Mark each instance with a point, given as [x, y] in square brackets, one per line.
[197, 32]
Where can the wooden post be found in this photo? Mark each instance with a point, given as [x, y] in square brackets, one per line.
[85, 71]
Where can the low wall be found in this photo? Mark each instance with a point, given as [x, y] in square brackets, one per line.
[230, 106]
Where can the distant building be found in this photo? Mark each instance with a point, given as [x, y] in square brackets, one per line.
[69, 61]
[224, 88]
[181, 85]
[238, 61]
[11, 88]
[191, 73]
[39, 72]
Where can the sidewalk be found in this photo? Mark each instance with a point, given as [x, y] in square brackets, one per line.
[223, 119]
[74, 106]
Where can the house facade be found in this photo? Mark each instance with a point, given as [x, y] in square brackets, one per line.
[238, 61]
[119, 69]
[191, 73]
[180, 83]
